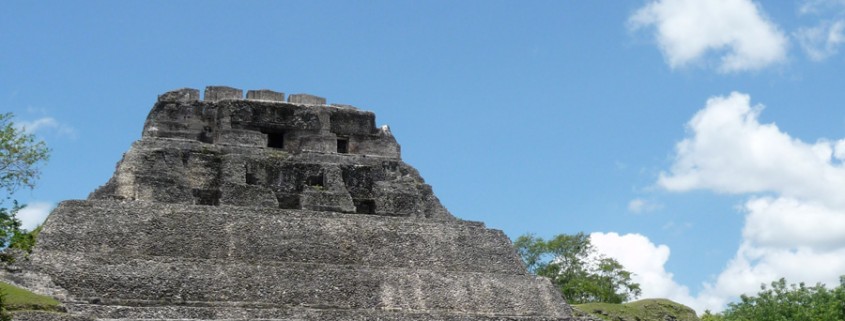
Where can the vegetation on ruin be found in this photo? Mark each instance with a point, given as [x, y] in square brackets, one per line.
[642, 310]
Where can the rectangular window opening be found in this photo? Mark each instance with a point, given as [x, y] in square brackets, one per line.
[276, 140]
[251, 179]
[342, 145]
[316, 181]
[206, 197]
[365, 206]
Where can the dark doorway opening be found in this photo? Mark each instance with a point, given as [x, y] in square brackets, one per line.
[251, 179]
[365, 206]
[343, 145]
[288, 201]
[315, 181]
[206, 197]
[276, 140]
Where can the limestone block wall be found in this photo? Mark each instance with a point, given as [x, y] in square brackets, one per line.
[263, 152]
[264, 209]
[303, 124]
[241, 234]
[189, 172]
[152, 254]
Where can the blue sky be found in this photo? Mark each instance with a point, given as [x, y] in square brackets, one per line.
[544, 117]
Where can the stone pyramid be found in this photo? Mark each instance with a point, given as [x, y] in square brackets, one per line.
[264, 209]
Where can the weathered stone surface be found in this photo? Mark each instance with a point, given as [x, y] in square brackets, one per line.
[306, 99]
[151, 281]
[343, 106]
[269, 154]
[184, 95]
[232, 209]
[218, 93]
[48, 316]
[129, 313]
[265, 94]
[247, 234]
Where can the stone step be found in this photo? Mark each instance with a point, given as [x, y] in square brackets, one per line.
[128, 313]
[47, 316]
[154, 281]
[243, 234]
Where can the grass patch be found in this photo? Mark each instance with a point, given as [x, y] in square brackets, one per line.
[20, 299]
[642, 310]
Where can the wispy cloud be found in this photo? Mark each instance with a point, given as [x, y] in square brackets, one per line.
[822, 41]
[44, 125]
[639, 205]
[820, 6]
[677, 228]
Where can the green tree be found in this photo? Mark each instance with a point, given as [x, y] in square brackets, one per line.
[782, 302]
[577, 269]
[25, 240]
[709, 316]
[10, 225]
[21, 157]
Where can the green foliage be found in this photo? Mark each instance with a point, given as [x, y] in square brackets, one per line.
[709, 316]
[20, 156]
[574, 266]
[15, 298]
[10, 225]
[13, 236]
[642, 310]
[782, 302]
[24, 240]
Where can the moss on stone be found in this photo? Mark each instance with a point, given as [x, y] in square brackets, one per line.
[642, 310]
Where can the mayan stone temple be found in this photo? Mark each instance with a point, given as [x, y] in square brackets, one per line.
[261, 208]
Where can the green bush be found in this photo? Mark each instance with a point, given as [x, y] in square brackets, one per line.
[782, 302]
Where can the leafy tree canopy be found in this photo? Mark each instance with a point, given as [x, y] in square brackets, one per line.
[21, 156]
[782, 302]
[577, 269]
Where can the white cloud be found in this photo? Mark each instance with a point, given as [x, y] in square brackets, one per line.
[784, 223]
[729, 151]
[822, 41]
[689, 30]
[34, 214]
[46, 124]
[839, 150]
[795, 213]
[646, 260]
[639, 205]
